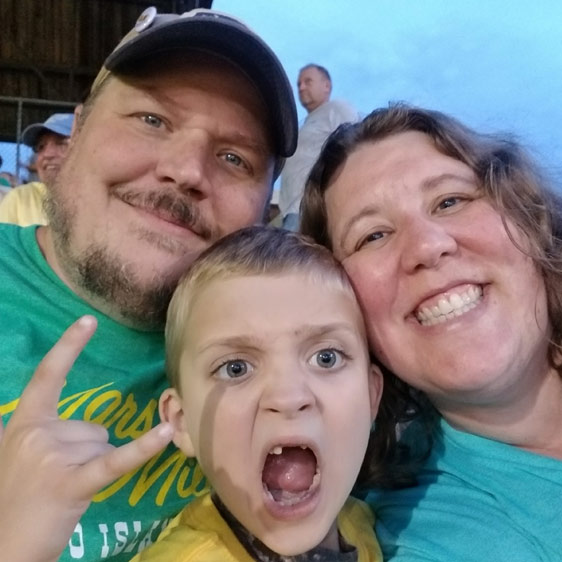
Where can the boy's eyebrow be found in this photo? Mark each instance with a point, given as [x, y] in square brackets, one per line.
[231, 341]
[308, 331]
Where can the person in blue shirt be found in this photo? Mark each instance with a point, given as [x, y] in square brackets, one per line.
[452, 240]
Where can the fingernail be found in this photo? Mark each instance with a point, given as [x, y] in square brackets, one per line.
[87, 320]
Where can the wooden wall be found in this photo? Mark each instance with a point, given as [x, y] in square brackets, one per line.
[53, 49]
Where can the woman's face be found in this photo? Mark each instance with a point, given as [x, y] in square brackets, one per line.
[452, 306]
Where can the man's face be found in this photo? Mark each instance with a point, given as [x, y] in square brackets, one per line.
[314, 88]
[163, 165]
[50, 151]
[277, 401]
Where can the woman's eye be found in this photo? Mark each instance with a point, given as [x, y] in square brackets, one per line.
[327, 358]
[449, 202]
[372, 237]
[233, 369]
[152, 120]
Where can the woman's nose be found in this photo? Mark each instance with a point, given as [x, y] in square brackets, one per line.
[425, 242]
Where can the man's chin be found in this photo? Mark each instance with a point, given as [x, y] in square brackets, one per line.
[121, 290]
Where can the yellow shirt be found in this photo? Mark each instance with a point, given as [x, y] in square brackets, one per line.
[23, 204]
[199, 534]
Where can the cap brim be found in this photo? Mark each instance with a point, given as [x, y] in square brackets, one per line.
[31, 134]
[232, 41]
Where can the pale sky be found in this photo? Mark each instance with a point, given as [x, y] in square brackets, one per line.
[494, 64]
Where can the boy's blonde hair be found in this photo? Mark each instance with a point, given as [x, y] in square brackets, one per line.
[257, 250]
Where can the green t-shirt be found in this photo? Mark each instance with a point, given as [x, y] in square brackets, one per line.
[115, 382]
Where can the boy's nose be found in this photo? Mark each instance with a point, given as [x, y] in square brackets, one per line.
[287, 392]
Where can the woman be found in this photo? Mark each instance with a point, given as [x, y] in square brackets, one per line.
[452, 242]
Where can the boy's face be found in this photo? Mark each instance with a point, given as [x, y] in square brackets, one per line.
[277, 401]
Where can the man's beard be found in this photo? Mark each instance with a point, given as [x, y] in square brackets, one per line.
[107, 277]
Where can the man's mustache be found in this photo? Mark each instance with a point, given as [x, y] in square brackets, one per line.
[177, 208]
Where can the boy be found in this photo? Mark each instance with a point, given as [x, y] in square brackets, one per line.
[274, 393]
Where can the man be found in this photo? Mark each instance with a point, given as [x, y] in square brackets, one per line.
[324, 116]
[23, 205]
[185, 130]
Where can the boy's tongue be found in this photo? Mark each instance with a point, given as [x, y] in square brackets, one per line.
[291, 471]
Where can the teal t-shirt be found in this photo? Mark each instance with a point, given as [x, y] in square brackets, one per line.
[115, 382]
[478, 500]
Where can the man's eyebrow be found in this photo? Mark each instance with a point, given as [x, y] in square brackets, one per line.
[241, 139]
[235, 136]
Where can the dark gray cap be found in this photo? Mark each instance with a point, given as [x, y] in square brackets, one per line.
[220, 34]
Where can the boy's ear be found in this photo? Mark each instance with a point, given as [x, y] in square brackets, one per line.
[376, 383]
[171, 411]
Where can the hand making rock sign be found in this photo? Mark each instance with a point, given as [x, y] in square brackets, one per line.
[61, 463]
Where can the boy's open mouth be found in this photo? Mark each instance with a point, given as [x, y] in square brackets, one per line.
[290, 474]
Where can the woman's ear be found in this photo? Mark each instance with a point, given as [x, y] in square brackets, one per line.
[171, 411]
[376, 383]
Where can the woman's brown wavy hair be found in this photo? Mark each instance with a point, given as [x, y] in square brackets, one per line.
[517, 189]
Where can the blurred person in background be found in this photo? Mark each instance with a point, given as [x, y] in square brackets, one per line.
[49, 141]
[324, 116]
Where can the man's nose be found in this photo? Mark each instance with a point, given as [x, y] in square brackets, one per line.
[184, 161]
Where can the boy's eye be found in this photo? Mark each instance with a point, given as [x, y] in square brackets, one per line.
[233, 369]
[327, 358]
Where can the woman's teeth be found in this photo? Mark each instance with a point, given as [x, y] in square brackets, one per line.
[455, 305]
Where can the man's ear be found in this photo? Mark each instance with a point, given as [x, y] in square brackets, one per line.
[171, 411]
[376, 383]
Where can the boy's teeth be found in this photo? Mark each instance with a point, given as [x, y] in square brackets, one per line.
[447, 308]
[278, 450]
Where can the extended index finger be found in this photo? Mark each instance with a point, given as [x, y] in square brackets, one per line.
[42, 393]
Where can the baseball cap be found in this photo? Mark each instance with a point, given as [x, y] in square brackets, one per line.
[59, 123]
[220, 34]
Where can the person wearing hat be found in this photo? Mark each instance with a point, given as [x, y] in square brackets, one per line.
[23, 205]
[186, 129]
